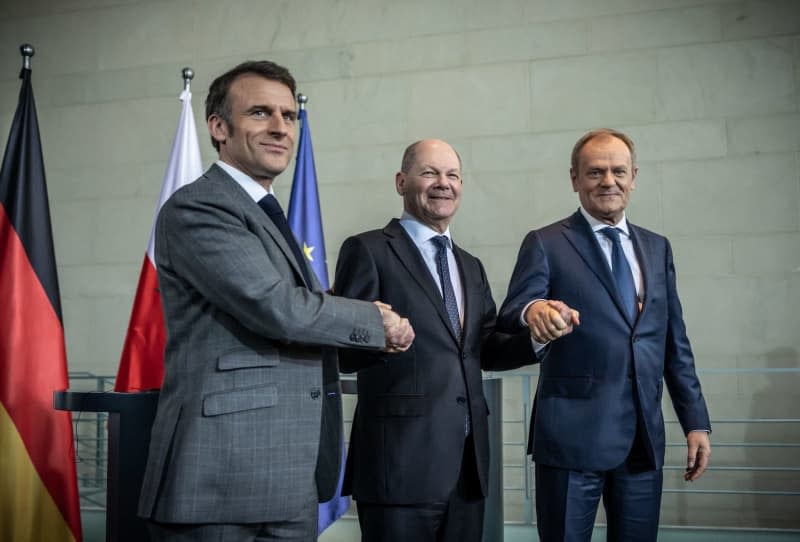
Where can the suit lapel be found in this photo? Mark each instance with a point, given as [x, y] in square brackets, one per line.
[646, 260]
[472, 299]
[262, 218]
[582, 238]
[409, 256]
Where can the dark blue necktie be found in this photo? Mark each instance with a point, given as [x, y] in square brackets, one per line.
[622, 273]
[273, 209]
[450, 304]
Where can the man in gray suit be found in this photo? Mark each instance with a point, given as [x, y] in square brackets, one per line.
[247, 435]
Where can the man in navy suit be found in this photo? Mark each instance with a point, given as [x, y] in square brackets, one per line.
[599, 296]
[418, 461]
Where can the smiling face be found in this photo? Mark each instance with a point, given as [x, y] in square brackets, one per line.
[260, 136]
[431, 186]
[605, 177]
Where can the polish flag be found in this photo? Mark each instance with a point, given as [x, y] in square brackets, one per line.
[142, 364]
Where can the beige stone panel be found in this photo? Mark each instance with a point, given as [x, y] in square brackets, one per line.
[73, 136]
[374, 164]
[590, 91]
[533, 41]
[159, 81]
[527, 150]
[142, 179]
[75, 225]
[320, 23]
[753, 194]
[60, 41]
[362, 111]
[655, 29]
[32, 8]
[771, 254]
[470, 102]
[726, 79]
[756, 19]
[134, 35]
[493, 207]
[703, 256]
[716, 321]
[97, 280]
[773, 133]
[666, 141]
[435, 52]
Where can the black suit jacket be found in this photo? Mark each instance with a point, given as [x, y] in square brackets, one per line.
[596, 382]
[408, 437]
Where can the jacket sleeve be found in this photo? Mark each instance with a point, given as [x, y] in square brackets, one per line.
[204, 240]
[357, 277]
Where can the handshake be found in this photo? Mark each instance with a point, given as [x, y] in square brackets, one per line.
[398, 331]
[549, 319]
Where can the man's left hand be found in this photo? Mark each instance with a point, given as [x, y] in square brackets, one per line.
[699, 452]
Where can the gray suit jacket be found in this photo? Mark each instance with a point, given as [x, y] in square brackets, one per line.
[250, 407]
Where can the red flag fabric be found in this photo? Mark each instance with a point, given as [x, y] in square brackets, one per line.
[38, 482]
[141, 366]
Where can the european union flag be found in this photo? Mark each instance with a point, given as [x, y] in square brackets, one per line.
[305, 219]
[304, 215]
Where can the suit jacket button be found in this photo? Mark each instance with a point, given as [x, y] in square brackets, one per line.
[461, 400]
[315, 393]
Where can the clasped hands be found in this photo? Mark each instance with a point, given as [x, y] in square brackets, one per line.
[549, 319]
[397, 330]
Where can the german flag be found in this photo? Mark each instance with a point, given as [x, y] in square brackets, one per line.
[38, 486]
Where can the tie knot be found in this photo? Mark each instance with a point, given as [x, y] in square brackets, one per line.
[270, 205]
[441, 242]
[611, 233]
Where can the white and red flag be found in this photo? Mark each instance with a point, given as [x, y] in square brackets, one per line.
[142, 364]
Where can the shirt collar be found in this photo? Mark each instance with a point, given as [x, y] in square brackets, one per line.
[596, 225]
[421, 233]
[253, 189]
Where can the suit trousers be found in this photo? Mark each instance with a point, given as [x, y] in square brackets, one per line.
[460, 519]
[302, 528]
[567, 500]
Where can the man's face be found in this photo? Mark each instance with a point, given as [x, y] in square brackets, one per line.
[260, 137]
[605, 178]
[431, 188]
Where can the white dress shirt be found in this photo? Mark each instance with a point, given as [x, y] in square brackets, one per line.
[253, 189]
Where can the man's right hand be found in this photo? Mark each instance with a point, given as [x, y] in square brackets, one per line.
[549, 319]
[398, 331]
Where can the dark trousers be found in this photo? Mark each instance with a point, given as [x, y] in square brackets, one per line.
[460, 519]
[567, 500]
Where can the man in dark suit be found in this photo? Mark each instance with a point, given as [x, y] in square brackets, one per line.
[247, 434]
[615, 333]
[419, 452]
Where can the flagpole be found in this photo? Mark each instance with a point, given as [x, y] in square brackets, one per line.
[188, 75]
[302, 100]
[27, 51]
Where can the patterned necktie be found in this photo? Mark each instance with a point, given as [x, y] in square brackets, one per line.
[622, 273]
[273, 209]
[447, 286]
[449, 302]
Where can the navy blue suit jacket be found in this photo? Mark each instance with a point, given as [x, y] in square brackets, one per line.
[596, 382]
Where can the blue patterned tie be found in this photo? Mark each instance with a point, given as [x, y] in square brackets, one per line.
[450, 304]
[447, 286]
[622, 273]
